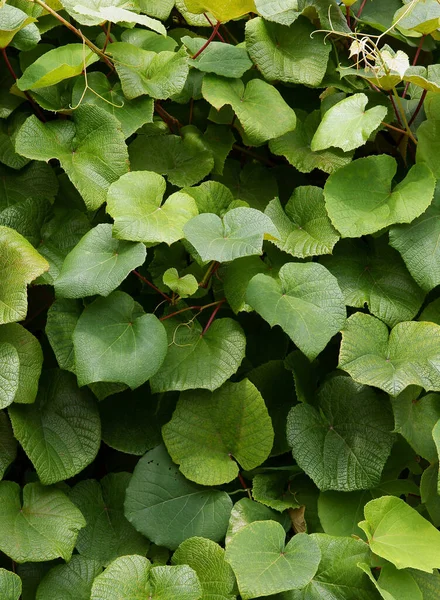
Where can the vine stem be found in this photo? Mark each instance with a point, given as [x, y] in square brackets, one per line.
[348, 13]
[10, 68]
[361, 9]
[151, 285]
[209, 273]
[402, 131]
[199, 308]
[208, 41]
[165, 116]
[414, 62]
[414, 115]
[248, 152]
[219, 35]
[212, 317]
[108, 38]
[76, 31]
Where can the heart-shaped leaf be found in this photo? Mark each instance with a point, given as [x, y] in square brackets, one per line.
[168, 509]
[115, 340]
[355, 213]
[409, 355]
[210, 431]
[264, 564]
[305, 300]
[182, 286]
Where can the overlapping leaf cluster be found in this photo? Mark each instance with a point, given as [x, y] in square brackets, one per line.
[219, 307]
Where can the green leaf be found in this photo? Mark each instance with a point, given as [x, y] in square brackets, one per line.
[57, 65]
[208, 561]
[131, 114]
[236, 276]
[429, 492]
[27, 218]
[199, 360]
[290, 54]
[250, 104]
[274, 490]
[418, 245]
[344, 445]
[296, 147]
[8, 446]
[91, 149]
[240, 233]
[95, 12]
[75, 577]
[168, 509]
[157, 8]
[408, 355]
[247, 511]
[394, 584]
[133, 577]
[223, 10]
[398, 533]
[184, 159]
[354, 213]
[12, 20]
[183, 286]
[62, 318]
[347, 125]
[135, 202]
[9, 374]
[115, 340]
[421, 18]
[61, 431]
[264, 564]
[145, 72]
[210, 431]
[221, 59]
[10, 585]
[428, 135]
[211, 197]
[8, 133]
[303, 225]
[42, 526]
[370, 272]
[284, 12]
[20, 264]
[305, 300]
[107, 534]
[98, 264]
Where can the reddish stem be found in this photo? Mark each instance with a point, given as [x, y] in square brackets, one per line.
[219, 35]
[145, 280]
[108, 39]
[212, 317]
[169, 119]
[414, 62]
[348, 17]
[361, 8]
[396, 112]
[419, 106]
[182, 310]
[208, 41]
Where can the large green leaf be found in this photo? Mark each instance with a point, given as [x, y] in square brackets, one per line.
[36, 181]
[157, 8]
[428, 135]
[208, 560]
[20, 264]
[418, 245]
[236, 276]
[359, 199]
[132, 577]
[200, 360]
[221, 59]
[284, 12]
[115, 340]
[421, 18]
[107, 534]
[370, 272]
[347, 125]
[398, 533]
[10, 585]
[71, 581]
[409, 355]
[145, 72]
[61, 431]
[344, 444]
[240, 233]
[289, 54]
[135, 203]
[168, 509]
[210, 431]
[91, 149]
[303, 225]
[98, 264]
[305, 300]
[264, 564]
[41, 525]
[250, 104]
[56, 65]
[8, 444]
[12, 20]
[223, 10]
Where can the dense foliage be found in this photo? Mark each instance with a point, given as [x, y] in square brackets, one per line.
[219, 301]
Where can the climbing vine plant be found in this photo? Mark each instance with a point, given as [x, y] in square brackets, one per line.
[219, 301]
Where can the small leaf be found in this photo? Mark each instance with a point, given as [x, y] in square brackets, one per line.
[168, 509]
[247, 511]
[409, 355]
[264, 564]
[98, 264]
[57, 65]
[75, 577]
[221, 59]
[8, 447]
[10, 585]
[398, 533]
[135, 202]
[196, 360]
[275, 490]
[208, 432]
[20, 264]
[183, 286]
[344, 444]
[355, 213]
[42, 527]
[115, 340]
[303, 225]
[223, 10]
[304, 300]
[61, 431]
[240, 233]
[91, 149]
